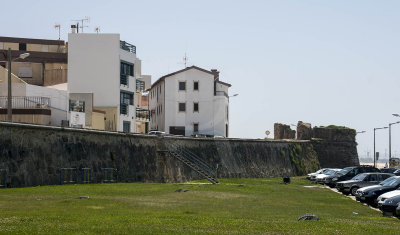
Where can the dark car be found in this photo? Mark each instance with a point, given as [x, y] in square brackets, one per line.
[388, 206]
[388, 170]
[398, 211]
[397, 172]
[370, 193]
[360, 181]
[348, 173]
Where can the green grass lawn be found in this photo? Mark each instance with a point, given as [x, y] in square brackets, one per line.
[236, 206]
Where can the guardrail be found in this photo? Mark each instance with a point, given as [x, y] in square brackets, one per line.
[26, 102]
[124, 79]
[127, 47]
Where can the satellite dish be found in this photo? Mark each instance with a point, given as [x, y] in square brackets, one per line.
[267, 132]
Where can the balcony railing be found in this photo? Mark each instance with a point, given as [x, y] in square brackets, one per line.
[26, 102]
[140, 85]
[124, 79]
[127, 47]
[142, 114]
[221, 93]
[124, 109]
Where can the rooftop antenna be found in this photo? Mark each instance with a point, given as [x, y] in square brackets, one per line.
[87, 19]
[58, 26]
[185, 60]
[97, 29]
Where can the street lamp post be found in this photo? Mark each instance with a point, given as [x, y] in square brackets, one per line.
[9, 104]
[390, 138]
[9, 95]
[379, 128]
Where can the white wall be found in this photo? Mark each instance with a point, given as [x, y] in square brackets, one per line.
[94, 66]
[59, 101]
[211, 110]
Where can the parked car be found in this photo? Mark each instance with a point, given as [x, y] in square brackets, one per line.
[397, 213]
[313, 175]
[360, 181]
[397, 172]
[389, 205]
[156, 133]
[320, 179]
[370, 193]
[348, 173]
[387, 202]
[388, 170]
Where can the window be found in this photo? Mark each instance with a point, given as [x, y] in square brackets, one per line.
[77, 106]
[195, 107]
[182, 107]
[195, 128]
[160, 89]
[196, 86]
[22, 46]
[182, 86]
[373, 178]
[126, 69]
[126, 126]
[126, 98]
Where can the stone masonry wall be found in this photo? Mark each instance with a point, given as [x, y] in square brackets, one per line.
[33, 155]
[336, 146]
[283, 131]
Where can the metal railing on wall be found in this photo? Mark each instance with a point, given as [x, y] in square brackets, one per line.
[68, 176]
[26, 102]
[127, 47]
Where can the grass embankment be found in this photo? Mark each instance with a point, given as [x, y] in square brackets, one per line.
[244, 206]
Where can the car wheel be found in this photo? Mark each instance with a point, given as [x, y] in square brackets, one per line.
[354, 190]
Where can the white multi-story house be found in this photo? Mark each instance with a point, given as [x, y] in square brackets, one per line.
[190, 101]
[104, 65]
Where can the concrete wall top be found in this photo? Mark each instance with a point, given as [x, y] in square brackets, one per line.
[68, 129]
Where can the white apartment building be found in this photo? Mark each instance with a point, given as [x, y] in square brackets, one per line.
[190, 101]
[104, 65]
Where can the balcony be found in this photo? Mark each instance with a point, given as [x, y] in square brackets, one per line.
[124, 108]
[142, 114]
[127, 47]
[124, 80]
[26, 102]
[140, 85]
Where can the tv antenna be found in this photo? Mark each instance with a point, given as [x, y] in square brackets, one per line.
[58, 26]
[87, 19]
[185, 60]
[97, 29]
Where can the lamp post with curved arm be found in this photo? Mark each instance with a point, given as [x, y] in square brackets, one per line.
[9, 95]
[379, 128]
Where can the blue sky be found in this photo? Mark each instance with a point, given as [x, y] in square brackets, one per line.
[324, 62]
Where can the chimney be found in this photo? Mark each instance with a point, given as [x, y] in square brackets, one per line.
[216, 74]
[73, 28]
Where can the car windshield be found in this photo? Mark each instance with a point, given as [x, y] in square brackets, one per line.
[388, 181]
[393, 182]
[359, 177]
[344, 170]
[330, 172]
[319, 171]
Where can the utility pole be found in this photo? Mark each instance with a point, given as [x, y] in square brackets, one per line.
[9, 95]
